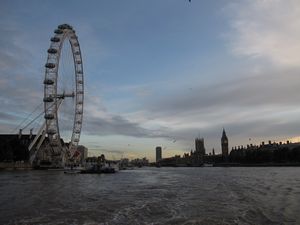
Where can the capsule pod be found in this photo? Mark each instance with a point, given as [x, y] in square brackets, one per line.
[78, 61]
[76, 140]
[50, 65]
[80, 92]
[58, 31]
[80, 82]
[77, 53]
[55, 39]
[79, 72]
[48, 99]
[65, 26]
[48, 81]
[74, 37]
[62, 26]
[49, 116]
[76, 44]
[52, 51]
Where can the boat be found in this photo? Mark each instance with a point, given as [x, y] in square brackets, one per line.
[95, 168]
[108, 169]
[100, 165]
[73, 169]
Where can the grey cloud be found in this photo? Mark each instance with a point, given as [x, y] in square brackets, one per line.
[117, 125]
[111, 151]
[262, 105]
[240, 131]
[241, 105]
[7, 116]
[7, 122]
[20, 86]
[263, 29]
[281, 89]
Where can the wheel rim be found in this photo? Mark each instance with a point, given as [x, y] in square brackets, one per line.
[53, 99]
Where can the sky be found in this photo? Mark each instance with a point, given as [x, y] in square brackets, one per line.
[161, 73]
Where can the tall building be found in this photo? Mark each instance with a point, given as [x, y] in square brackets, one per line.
[199, 146]
[158, 153]
[224, 144]
[197, 157]
[83, 153]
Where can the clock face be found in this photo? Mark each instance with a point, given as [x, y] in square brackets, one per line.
[225, 142]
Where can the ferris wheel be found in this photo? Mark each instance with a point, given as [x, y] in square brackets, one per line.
[54, 96]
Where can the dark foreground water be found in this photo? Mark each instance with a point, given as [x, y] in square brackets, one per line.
[152, 196]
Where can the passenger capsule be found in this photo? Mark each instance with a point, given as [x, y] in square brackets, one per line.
[76, 140]
[80, 92]
[65, 26]
[48, 81]
[50, 65]
[76, 44]
[58, 31]
[49, 116]
[52, 51]
[77, 53]
[80, 82]
[48, 99]
[80, 102]
[79, 72]
[78, 61]
[55, 39]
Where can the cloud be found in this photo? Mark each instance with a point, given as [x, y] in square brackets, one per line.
[114, 125]
[16, 59]
[99, 121]
[270, 88]
[7, 116]
[255, 104]
[268, 29]
[117, 152]
[20, 85]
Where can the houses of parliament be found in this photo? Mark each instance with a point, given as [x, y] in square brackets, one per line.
[265, 154]
[198, 157]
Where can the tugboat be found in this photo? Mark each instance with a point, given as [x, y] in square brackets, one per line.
[100, 165]
[98, 170]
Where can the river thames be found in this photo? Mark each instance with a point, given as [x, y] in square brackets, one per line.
[152, 196]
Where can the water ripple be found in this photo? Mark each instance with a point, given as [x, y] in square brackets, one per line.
[242, 196]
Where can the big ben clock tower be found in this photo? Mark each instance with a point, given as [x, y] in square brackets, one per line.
[224, 144]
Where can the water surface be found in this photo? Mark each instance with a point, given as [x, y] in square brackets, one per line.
[152, 196]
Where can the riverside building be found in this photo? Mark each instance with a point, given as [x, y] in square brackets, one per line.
[158, 153]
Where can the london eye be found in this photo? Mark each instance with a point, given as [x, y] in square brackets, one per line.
[56, 93]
